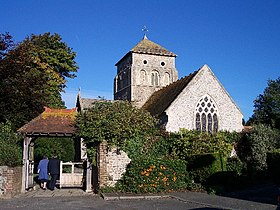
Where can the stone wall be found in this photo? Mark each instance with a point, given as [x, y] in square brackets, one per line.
[133, 81]
[181, 113]
[10, 181]
[112, 165]
[142, 89]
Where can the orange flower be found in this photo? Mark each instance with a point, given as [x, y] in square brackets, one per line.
[162, 167]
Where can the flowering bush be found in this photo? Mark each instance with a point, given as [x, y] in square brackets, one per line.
[154, 175]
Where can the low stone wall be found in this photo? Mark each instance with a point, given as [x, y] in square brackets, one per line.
[116, 165]
[112, 165]
[10, 181]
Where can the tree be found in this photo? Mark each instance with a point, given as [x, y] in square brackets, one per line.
[6, 43]
[267, 105]
[253, 147]
[119, 123]
[33, 74]
[10, 149]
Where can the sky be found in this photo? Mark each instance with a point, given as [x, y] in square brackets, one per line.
[239, 40]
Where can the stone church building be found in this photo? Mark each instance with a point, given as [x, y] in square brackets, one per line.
[147, 76]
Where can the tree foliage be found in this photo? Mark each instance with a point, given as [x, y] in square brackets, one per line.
[118, 123]
[10, 150]
[267, 105]
[254, 146]
[187, 143]
[64, 148]
[33, 73]
[6, 43]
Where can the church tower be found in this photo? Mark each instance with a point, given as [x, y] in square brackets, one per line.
[146, 68]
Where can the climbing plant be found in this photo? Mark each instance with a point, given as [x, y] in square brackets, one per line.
[119, 123]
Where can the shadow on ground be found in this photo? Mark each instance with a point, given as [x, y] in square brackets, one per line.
[264, 193]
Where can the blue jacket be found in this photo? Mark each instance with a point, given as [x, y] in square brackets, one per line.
[43, 169]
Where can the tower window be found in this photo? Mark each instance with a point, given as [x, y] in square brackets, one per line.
[154, 78]
[206, 118]
[166, 78]
[162, 64]
[145, 61]
[142, 77]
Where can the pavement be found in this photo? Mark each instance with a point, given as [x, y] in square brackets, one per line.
[204, 199]
[180, 200]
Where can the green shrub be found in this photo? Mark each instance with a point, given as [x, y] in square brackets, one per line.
[187, 143]
[273, 163]
[254, 146]
[10, 149]
[202, 166]
[154, 175]
[153, 146]
[64, 148]
[234, 164]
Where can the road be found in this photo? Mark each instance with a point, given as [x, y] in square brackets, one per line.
[71, 199]
[94, 202]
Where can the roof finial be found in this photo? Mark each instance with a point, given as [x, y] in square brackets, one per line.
[145, 30]
[79, 91]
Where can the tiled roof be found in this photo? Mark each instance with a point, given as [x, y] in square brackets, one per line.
[247, 129]
[161, 100]
[52, 122]
[86, 103]
[146, 46]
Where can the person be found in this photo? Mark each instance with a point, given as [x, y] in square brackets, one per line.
[43, 172]
[53, 170]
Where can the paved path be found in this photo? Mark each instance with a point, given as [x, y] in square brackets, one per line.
[64, 192]
[71, 199]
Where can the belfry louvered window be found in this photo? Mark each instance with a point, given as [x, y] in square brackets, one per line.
[154, 78]
[206, 115]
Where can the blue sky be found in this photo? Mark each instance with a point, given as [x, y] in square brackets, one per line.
[239, 40]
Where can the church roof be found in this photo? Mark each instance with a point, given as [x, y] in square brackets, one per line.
[161, 100]
[52, 122]
[146, 46]
[83, 104]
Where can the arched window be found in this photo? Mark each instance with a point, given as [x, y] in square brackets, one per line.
[143, 76]
[116, 83]
[166, 78]
[206, 115]
[154, 78]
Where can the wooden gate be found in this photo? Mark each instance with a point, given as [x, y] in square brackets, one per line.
[71, 174]
[29, 174]
[28, 166]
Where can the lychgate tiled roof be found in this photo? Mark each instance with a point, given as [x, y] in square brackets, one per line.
[161, 100]
[52, 122]
[146, 46]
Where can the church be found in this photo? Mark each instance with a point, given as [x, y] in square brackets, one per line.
[147, 77]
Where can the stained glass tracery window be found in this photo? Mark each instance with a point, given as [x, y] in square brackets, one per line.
[206, 115]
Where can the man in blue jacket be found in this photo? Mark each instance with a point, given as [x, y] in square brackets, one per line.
[53, 170]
